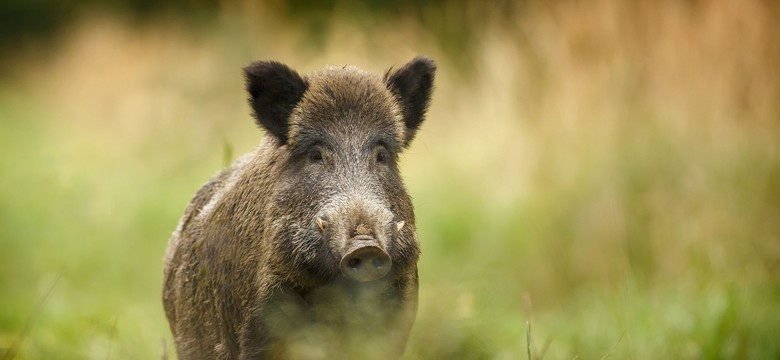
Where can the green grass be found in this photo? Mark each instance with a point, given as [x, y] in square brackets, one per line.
[617, 190]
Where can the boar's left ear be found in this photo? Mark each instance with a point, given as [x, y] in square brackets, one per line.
[412, 84]
[274, 90]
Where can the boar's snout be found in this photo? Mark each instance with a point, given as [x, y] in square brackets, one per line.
[365, 260]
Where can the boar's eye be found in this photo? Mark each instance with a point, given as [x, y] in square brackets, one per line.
[382, 156]
[315, 155]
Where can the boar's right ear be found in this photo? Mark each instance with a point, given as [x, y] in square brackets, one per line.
[412, 85]
[274, 89]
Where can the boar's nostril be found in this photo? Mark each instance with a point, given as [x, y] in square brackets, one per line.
[365, 263]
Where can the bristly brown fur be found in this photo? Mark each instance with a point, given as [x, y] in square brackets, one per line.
[248, 272]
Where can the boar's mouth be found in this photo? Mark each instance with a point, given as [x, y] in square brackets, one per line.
[365, 260]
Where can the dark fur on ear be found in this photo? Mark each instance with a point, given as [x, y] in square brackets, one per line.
[412, 84]
[274, 89]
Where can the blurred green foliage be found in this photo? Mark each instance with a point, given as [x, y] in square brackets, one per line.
[452, 23]
[607, 172]
[31, 22]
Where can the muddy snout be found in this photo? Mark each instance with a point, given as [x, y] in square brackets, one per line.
[365, 260]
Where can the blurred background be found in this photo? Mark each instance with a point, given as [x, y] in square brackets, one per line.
[594, 179]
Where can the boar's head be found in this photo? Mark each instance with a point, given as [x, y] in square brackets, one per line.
[339, 208]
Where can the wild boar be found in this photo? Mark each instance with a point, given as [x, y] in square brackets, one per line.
[306, 247]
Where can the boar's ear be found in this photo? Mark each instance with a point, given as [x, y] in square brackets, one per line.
[274, 89]
[412, 85]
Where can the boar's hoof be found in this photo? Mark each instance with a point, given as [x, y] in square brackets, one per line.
[365, 261]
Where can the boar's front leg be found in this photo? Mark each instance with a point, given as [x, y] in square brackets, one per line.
[281, 328]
